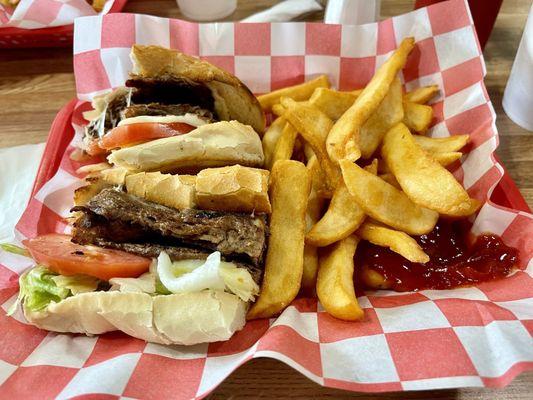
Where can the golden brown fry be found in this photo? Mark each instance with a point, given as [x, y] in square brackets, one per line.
[442, 145]
[332, 102]
[317, 177]
[372, 167]
[314, 210]
[335, 287]
[399, 242]
[270, 138]
[422, 94]
[297, 92]
[313, 125]
[98, 5]
[284, 145]
[290, 186]
[422, 178]
[385, 203]
[341, 219]
[278, 110]
[374, 279]
[417, 117]
[343, 139]
[389, 178]
[388, 114]
[446, 159]
[308, 151]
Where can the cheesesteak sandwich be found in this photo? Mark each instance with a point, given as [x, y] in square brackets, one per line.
[176, 112]
[168, 258]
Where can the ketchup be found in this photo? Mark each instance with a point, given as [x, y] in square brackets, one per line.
[453, 260]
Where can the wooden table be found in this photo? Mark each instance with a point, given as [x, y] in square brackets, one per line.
[35, 84]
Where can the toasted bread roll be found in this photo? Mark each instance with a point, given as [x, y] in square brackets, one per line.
[232, 99]
[188, 318]
[214, 145]
[234, 188]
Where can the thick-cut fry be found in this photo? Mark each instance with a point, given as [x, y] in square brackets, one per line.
[284, 145]
[313, 125]
[389, 178]
[422, 94]
[289, 191]
[388, 114]
[333, 103]
[318, 178]
[399, 242]
[297, 92]
[374, 279]
[385, 203]
[422, 178]
[446, 159]
[442, 145]
[341, 219]
[270, 138]
[335, 286]
[278, 110]
[344, 135]
[312, 215]
[417, 117]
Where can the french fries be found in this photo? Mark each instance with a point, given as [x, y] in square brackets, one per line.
[397, 241]
[335, 288]
[343, 217]
[290, 185]
[297, 92]
[374, 279]
[388, 114]
[333, 103]
[422, 178]
[284, 145]
[417, 117]
[385, 203]
[446, 159]
[343, 139]
[422, 94]
[442, 145]
[312, 248]
[270, 138]
[313, 125]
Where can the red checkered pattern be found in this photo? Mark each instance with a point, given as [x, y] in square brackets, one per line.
[479, 336]
[35, 14]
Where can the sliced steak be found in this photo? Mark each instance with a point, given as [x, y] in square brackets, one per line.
[170, 90]
[230, 233]
[112, 117]
[155, 109]
[92, 229]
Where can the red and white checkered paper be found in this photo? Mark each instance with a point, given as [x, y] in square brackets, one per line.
[35, 14]
[479, 336]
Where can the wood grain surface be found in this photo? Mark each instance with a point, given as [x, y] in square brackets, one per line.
[36, 83]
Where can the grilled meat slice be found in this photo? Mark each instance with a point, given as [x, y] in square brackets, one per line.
[93, 229]
[230, 233]
[170, 90]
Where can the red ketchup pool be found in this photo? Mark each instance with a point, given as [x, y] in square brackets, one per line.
[454, 260]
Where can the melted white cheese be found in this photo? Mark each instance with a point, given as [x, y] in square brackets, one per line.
[191, 119]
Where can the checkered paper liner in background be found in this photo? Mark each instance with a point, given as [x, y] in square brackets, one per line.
[35, 14]
[478, 336]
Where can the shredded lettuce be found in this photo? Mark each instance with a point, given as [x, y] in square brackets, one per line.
[11, 248]
[40, 286]
[196, 275]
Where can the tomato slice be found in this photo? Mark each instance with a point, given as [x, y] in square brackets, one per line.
[94, 149]
[142, 132]
[59, 254]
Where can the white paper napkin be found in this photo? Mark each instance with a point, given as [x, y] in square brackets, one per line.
[18, 166]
